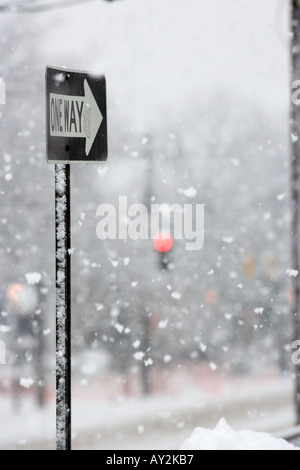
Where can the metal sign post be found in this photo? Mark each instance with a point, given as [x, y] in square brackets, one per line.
[2, 101]
[63, 307]
[295, 190]
[76, 133]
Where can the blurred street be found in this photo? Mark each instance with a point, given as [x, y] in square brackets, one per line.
[160, 423]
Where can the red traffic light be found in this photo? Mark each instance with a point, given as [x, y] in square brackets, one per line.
[163, 242]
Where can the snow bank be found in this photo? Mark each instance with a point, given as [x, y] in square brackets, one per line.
[223, 437]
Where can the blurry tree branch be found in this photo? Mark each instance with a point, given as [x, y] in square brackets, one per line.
[40, 6]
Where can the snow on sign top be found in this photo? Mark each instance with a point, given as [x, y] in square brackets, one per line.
[76, 117]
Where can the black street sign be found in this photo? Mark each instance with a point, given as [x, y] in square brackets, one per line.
[76, 117]
[76, 133]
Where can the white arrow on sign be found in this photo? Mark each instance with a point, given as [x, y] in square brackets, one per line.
[75, 116]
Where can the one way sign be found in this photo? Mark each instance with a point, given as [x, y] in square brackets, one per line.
[76, 117]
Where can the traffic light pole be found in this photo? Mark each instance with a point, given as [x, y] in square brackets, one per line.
[63, 307]
[144, 322]
[295, 189]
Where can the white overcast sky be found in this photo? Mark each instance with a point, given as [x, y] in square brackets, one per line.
[161, 54]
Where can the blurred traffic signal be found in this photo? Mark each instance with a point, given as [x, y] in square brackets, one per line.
[211, 297]
[26, 307]
[163, 244]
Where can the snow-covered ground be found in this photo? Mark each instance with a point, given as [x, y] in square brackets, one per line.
[160, 422]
